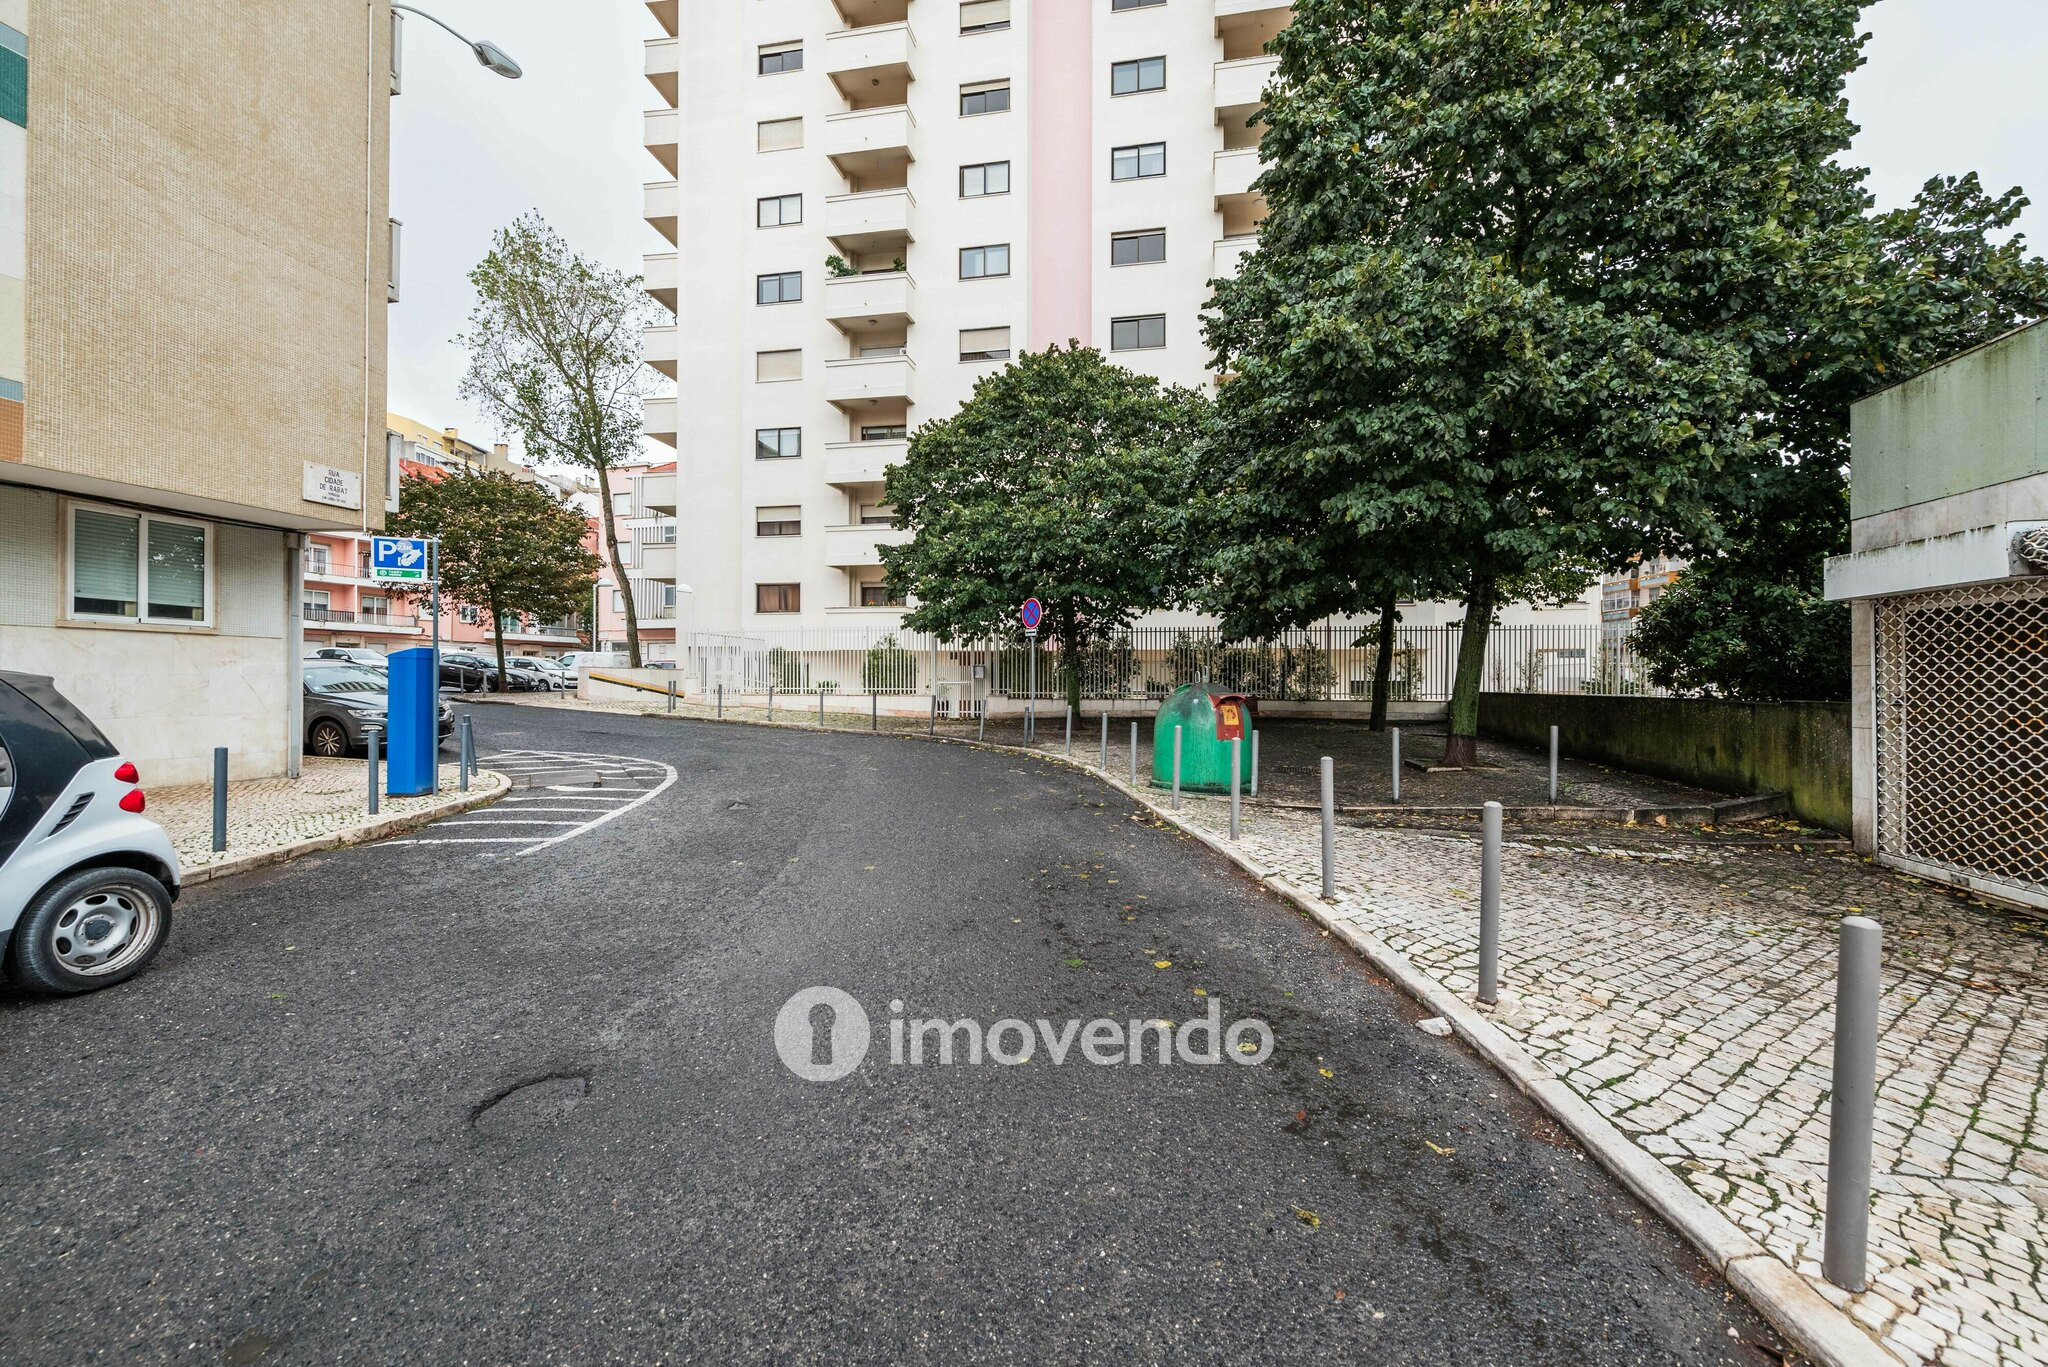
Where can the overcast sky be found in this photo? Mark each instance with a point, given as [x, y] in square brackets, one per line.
[1950, 86]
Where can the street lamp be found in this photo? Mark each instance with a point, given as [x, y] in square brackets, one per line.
[488, 54]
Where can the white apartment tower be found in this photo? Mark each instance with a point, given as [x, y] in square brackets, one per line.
[983, 176]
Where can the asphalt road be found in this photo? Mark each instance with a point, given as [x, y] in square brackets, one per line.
[450, 1103]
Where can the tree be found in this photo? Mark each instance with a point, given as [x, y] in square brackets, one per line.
[1062, 478]
[507, 546]
[554, 344]
[1558, 280]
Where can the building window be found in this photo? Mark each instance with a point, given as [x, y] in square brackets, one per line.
[778, 135]
[140, 567]
[978, 263]
[778, 365]
[376, 608]
[886, 432]
[779, 57]
[785, 521]
[1141, 162]
[1138, 249]
[984, 344]
[1137, 334]
[778, 211]
[778, 598]
[990, 97]
[778, 443]
[1118, 6]
[876, 595]
[317, 605]
[618, 601]
[984, 16]
[1134, 78]
[469, 616]
[786, 287]
[876, 514]
[985, 178]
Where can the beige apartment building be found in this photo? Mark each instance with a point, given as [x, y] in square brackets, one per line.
[205, 257]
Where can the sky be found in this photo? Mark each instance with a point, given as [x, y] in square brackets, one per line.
[1949, 86]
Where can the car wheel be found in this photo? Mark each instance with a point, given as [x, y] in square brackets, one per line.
[327, 738]
[90, 930]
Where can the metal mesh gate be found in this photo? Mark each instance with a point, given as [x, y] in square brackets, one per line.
[1962, 732]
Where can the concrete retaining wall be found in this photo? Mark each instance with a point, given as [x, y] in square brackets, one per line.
[1797, 748]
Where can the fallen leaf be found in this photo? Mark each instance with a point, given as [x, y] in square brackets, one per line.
[1162, 963]
[1326, 1072]
[1308, 1217]
[1439, 1149]
[1201, 992]
[1076, 963]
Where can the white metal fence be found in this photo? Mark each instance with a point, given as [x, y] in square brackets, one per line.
[1312, 664]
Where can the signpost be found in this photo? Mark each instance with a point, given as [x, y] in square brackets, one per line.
[415, 560]
[1031, 614]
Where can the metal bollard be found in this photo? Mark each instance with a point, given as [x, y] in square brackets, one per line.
[1852, 1107]
[1105, 742]
[220, 798]
[1236, 765]
[1489, 904]
[821, 707]
[465, 752]
[1070, 730]
[469, 732]
[1395, 732]
[671, 697]
[981, 731]
[1329, 829]
[370, 734]
[1134, 754]
[771, 702]
[1176, 768]
[874, 711]
[932, 727]
[1553, 766]
[1255, 764]
[721, 702]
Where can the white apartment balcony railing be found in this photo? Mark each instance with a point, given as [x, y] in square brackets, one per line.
[658, 348]
[661, 274]
[660, 131]
[859, 302]
[1242, 83]
[870, 221]
[854, 57]
[664, 62]
[853, 547]
[656, 562]
[1236, 169]
[656, 493]
[862, 462]
[1230, 253]
[865, 380]
[658, 418]
[661, 202]
[861, 140]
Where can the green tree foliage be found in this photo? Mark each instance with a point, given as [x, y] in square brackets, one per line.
[1543, 282]
[1062, 478]
[1739, 636]
[554, 343]
[507, 546]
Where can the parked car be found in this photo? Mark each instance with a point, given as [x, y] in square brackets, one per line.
[534, 671]
[342, 698]
[593, 659]
[86, 881]
[474, 672]
[352, 655]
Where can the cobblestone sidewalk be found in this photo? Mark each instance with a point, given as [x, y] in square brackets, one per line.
[267, 815]
[1686, 992]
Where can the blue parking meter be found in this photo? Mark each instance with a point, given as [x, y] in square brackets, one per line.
[410, 727]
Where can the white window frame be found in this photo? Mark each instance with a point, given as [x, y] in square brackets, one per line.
[209, 551]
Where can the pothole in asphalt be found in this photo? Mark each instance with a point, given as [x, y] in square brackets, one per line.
[530, 1106]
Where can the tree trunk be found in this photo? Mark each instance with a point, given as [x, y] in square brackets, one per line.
[1070, 663]
[611, 544]
[1462, 751]
[1383, 664]
[498, 636]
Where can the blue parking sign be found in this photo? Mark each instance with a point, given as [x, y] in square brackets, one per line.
[400, 558]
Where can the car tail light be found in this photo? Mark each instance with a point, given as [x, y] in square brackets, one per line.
[127, 773]
[132, 800]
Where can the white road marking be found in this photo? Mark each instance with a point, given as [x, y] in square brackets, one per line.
[629, 774]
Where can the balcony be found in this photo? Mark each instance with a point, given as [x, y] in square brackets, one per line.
[404, 624]
[658, 348]
[854, 547]
[1241, 84]
[665, 14]
[660, 273]
[1230, 254]
[873, 64]
[862, 462]
[862, 303]
[872, 145]
[656, 493]
[872, 221]
[660, 202]
[661, 129]
[1236, 169]
[658, 418]
[864, 381]
[663, 63]
[656, 562]
[1275, 13]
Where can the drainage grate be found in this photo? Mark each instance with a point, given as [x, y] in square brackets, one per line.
[1962, 732]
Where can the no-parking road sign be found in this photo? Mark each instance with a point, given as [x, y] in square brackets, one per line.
[1032, 613]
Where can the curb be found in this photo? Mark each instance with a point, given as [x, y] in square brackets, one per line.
[1691, 814]
[496, 785]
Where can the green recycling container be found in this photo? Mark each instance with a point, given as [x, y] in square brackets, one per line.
[1208, 723]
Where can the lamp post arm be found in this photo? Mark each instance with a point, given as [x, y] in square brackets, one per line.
[409, 9]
